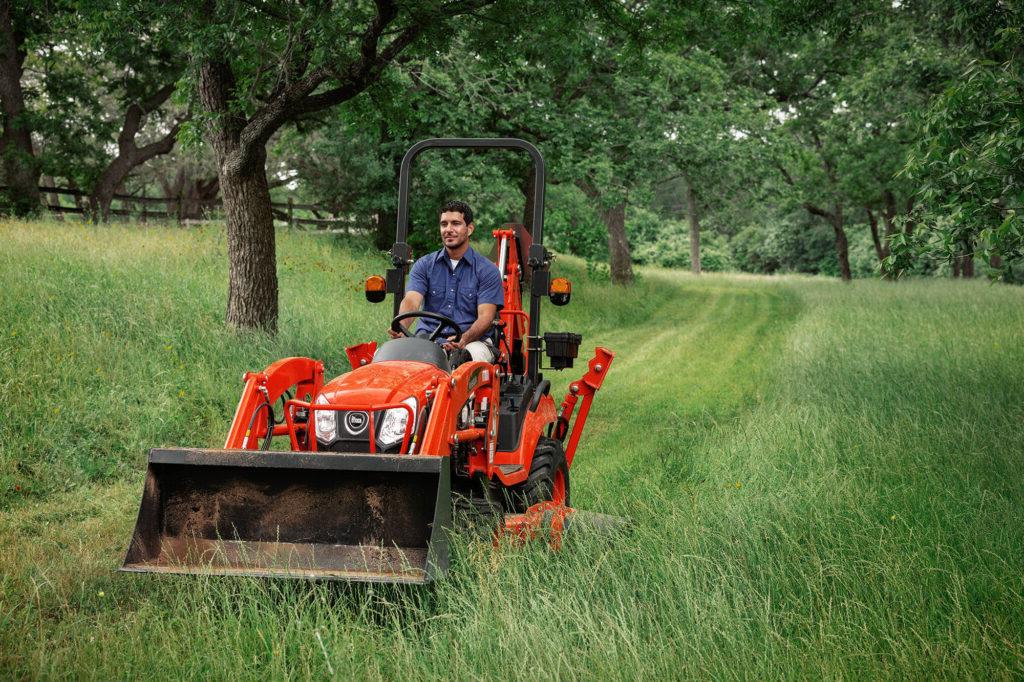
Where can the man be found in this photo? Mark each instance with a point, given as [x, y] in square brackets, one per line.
[459, 283]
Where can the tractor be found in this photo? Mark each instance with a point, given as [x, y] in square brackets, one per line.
[383, 457]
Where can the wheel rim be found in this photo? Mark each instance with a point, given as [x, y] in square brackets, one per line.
[558, 487]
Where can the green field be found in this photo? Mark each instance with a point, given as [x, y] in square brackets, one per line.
[821, 478]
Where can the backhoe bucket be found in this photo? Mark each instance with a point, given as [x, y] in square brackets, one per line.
[357, 517]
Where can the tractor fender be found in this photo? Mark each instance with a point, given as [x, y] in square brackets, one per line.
[514, 467]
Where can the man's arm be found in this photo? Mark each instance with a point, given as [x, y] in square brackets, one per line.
[485, 313]
[412, 301]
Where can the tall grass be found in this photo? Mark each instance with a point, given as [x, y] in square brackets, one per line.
[820, 479]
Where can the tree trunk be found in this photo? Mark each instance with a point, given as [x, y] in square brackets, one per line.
[875, 237]
[528, 194]
[618, 246]
[835, 219]
[252, 261]
[967, 265]
[956, 267]
[691, 212]
[842, 244]
[614, 218]
[21, 168]
[890, 218]
[129, 155]
[252, 271]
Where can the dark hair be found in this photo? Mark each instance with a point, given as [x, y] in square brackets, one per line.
[458, 207]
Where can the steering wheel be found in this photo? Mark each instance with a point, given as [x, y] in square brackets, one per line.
[397, 326]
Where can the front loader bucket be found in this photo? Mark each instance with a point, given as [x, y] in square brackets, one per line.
[358, 517]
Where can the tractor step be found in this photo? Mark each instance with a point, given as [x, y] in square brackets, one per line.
[331, 516]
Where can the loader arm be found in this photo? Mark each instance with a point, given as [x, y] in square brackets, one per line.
[265, 388]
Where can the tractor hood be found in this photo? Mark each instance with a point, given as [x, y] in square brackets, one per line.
[381, 383]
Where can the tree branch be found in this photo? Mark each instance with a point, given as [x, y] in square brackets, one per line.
[820, 212]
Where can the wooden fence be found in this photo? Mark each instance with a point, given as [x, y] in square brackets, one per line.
[173, 208]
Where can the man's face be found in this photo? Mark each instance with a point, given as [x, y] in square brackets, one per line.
[454, 230]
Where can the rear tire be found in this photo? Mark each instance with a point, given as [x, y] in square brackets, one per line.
[549, 477]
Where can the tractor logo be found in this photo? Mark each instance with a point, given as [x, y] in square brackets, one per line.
[355, 422]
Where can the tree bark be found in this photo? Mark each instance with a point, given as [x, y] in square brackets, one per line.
[967, 265]
[252, 260]
[614, 218]
[618, 246]
[252, 270]
[880, 250]
[528, 194]
[21, 168]
[129, 155]
[889, 215]
[842, 244]
[691, 212]
[835, 219]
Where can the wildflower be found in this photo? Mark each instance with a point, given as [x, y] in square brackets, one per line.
[17, 488]
[892, 518]
[168, 347]
[738, 485]
[101, 593]
[181, 393]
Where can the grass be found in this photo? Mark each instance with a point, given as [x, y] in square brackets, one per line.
[821, 479]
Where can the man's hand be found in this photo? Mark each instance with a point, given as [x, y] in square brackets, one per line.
[451, 345]
[393, 334]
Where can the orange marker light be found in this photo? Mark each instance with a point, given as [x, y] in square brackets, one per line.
[560, 291]
[376, 288]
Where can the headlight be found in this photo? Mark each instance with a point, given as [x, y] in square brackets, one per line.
[326, 422]
[393, 426]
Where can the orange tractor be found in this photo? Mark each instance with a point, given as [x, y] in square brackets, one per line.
[381, 455]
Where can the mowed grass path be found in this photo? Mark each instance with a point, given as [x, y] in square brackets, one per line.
[822, 479]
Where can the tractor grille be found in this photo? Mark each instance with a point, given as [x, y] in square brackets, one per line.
[354, 433]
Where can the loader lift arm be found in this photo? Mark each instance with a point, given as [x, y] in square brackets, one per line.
[265, 388]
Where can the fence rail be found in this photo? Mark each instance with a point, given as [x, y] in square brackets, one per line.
[173, 208]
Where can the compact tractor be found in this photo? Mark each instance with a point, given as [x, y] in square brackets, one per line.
[381, 455]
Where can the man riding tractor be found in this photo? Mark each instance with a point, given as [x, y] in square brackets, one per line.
[456, 282]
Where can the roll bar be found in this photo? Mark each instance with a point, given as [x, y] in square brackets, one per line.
[537, 259]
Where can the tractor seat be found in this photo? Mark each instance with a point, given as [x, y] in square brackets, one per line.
[415, 349]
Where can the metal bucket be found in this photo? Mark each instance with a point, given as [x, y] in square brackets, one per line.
[331, 516]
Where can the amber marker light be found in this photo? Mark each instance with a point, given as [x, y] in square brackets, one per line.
[560, 291]
[376, 289]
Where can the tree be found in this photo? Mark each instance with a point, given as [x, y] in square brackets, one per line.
[967, 164]
[20, 24]
[844, 84]
[257, 67]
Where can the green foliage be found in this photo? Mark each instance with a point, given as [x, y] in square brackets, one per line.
[967, 163]
[971, 189]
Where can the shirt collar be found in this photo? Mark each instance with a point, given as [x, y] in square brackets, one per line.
[469, 256]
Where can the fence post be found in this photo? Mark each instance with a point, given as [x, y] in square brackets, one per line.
[291, 218]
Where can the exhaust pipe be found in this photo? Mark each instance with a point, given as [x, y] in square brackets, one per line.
[330, 516]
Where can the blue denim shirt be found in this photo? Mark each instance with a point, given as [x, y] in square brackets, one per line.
[455, 293]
